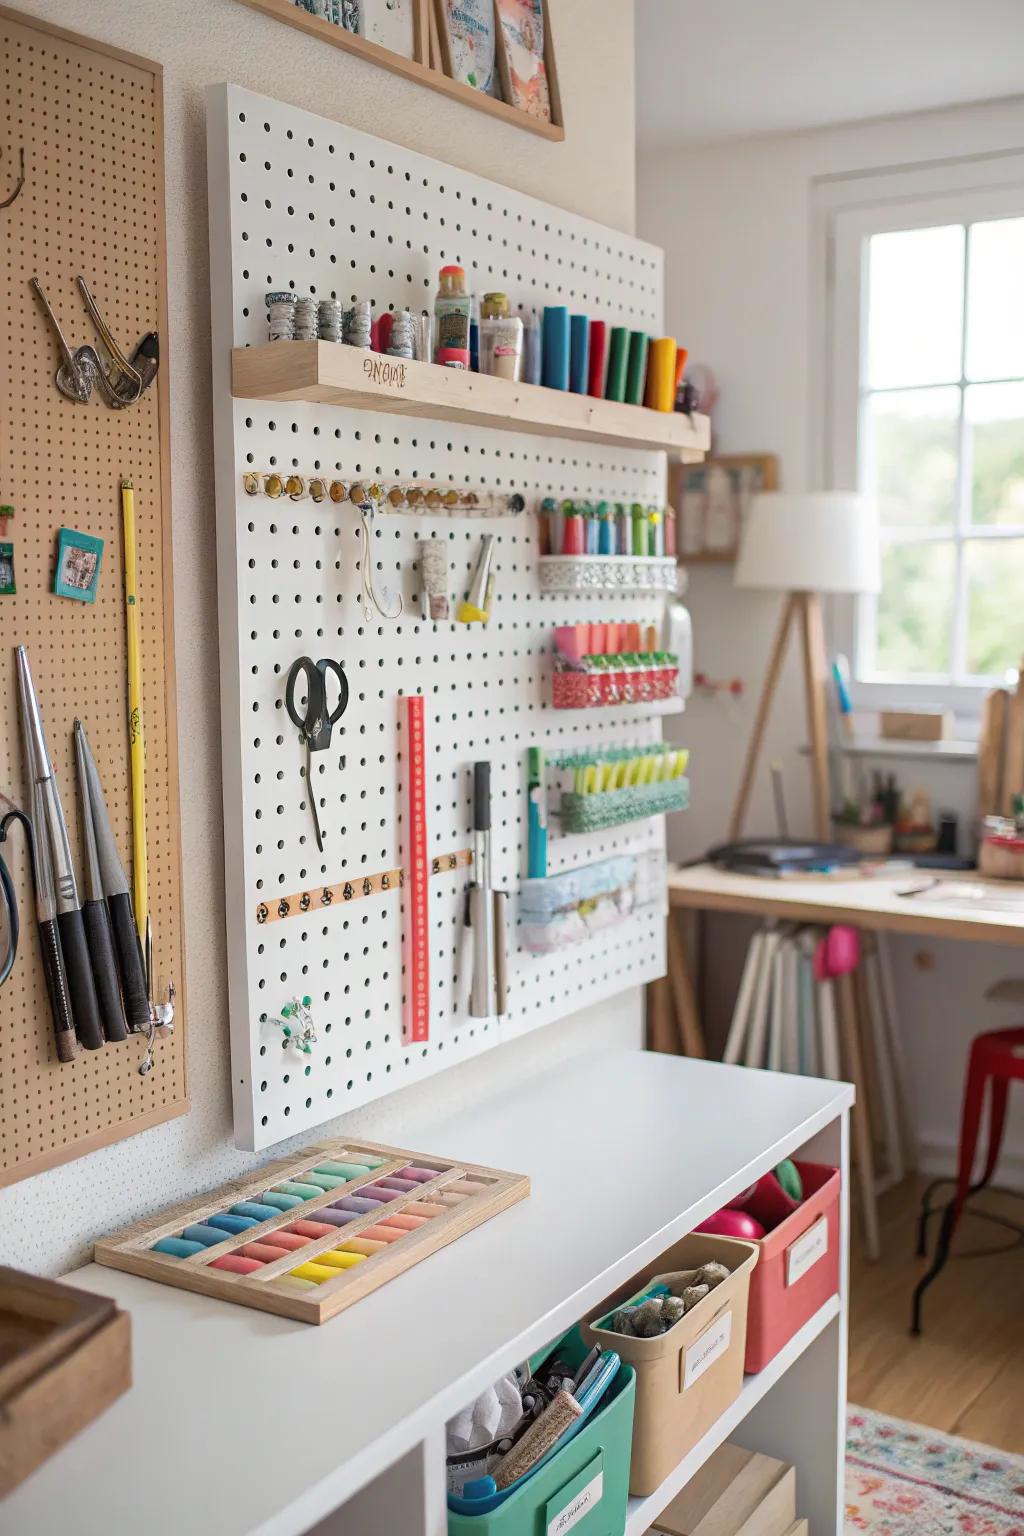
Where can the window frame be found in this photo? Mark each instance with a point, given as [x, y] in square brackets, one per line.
[849, 212]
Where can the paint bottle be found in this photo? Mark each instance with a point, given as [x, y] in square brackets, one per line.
[501, 338]
[474, 333]
[451, 314]
[572, 530]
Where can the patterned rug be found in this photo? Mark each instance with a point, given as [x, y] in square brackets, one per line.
[905, 1480]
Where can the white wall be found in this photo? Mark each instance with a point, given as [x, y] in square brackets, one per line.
[735, 219]
[48, 1222]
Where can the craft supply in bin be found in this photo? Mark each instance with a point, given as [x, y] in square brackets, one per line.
[585, 1482]
[798, 1269]
[572, 906]
[688, 1376]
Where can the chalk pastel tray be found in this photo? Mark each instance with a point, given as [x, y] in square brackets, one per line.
[310, 1235]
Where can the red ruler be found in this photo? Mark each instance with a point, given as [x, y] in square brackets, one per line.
[416, 884]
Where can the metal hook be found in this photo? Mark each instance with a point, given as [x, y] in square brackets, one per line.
[21, 181]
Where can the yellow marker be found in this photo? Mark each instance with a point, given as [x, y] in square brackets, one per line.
[140, 868]
[318, 1273]
[341, 1260]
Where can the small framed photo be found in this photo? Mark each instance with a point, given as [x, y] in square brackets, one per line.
[712, 501]
[79, 557]
[391, 24]
[466, 38]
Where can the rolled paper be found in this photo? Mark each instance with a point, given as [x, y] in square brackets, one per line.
[555, 347]
[661, 374]
[636, 368]
[579, 354]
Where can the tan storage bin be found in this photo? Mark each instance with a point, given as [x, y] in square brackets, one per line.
[735, 1493]
[686, 1378]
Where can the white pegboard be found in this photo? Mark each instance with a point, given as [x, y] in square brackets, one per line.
[297, 201]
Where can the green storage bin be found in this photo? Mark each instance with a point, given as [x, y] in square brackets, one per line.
[593, 1467]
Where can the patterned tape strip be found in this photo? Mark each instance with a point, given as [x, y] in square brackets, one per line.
[351, 890]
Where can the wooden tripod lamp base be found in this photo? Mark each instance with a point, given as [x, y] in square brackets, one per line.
[802, 609]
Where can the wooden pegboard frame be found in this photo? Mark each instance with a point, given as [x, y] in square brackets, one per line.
[90, 120]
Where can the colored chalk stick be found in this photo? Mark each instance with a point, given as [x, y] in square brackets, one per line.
[199, 1232]
[295, 1283]
[250, 1208]
[309, 1228]
[235, 1264]
[335, 1216]
[468, 1187]
[291, 1240]
[228, 1223]
[364, 1245]
[318, 1273]
[403, 1219]
[343, 1170]
[425, 1208]
[293, 1187]
[281, 1202]
[421, 1175]
[355, 1204]
[403, 1186]
[341, 1260]
[375, 1192]
[177, 1247]
[445, 1197]
[382, 1233]
[265, 1251]
[324, 1180]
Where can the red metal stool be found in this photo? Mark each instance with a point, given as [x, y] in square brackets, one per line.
[996, 1059]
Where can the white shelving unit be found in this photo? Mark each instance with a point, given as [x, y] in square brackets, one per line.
[284, 1429]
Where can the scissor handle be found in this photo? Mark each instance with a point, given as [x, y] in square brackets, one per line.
[315, 702]
[342, 705]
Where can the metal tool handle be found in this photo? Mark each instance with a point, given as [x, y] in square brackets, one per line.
[323, 667]
[481, 921]
[85, 1008]
[108, 340]
[500, 953]
[129, 960]
[57, 990]
[104, 969]
[69, 356]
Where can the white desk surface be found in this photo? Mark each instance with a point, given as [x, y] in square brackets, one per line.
[240, 1422]
[865, 901]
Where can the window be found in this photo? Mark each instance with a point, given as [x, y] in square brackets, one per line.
[927, 376]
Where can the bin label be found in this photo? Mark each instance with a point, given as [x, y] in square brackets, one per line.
[806, 1251]
[714, 1341]
[578, 1506]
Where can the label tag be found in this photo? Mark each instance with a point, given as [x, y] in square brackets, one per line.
[578, 1506]
[714, 1341]
[803, 1254]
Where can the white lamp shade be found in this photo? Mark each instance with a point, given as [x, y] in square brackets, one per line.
[820, 541]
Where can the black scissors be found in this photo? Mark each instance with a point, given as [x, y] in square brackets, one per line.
[314, 720]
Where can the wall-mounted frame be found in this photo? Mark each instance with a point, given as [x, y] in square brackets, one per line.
[430, 64]
[711, 502]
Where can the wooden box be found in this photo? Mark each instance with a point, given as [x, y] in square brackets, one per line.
[915, 724]
[65, 1356]
[735, 1493]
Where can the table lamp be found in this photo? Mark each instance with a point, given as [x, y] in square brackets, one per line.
[804, 544]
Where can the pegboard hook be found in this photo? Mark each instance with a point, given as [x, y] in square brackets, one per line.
[21, 180]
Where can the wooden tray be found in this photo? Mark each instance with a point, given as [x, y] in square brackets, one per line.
[65, 1355]
[271, 1287]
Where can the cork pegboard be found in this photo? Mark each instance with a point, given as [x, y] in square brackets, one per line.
[90, 122]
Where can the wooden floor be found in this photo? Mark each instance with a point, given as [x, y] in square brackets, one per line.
[965, 1373]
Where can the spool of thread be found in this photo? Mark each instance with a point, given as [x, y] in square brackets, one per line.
[307, 319]
[579, 354]
[555, 346]
[661, 374]
[598, 359]
[281, 315]
[636, 368]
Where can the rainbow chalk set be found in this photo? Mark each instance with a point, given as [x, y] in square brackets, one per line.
[307, 1237]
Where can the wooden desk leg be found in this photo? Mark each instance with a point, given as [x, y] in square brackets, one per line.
[660, 1024]
[861, 1120]
[684, 993]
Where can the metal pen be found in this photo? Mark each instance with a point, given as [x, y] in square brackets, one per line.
[481, 897]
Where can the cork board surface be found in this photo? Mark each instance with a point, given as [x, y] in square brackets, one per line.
[93, 204]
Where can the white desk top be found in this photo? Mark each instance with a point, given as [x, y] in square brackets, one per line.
[865, 901]
[240, 1422]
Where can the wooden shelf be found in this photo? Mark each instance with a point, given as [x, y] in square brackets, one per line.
[414, 69]
[338, 375]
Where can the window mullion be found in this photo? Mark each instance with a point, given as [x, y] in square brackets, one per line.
[964, 479]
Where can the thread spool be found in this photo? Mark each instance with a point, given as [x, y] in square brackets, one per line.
[281, 315]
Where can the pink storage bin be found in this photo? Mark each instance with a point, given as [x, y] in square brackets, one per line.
[798, 1268]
